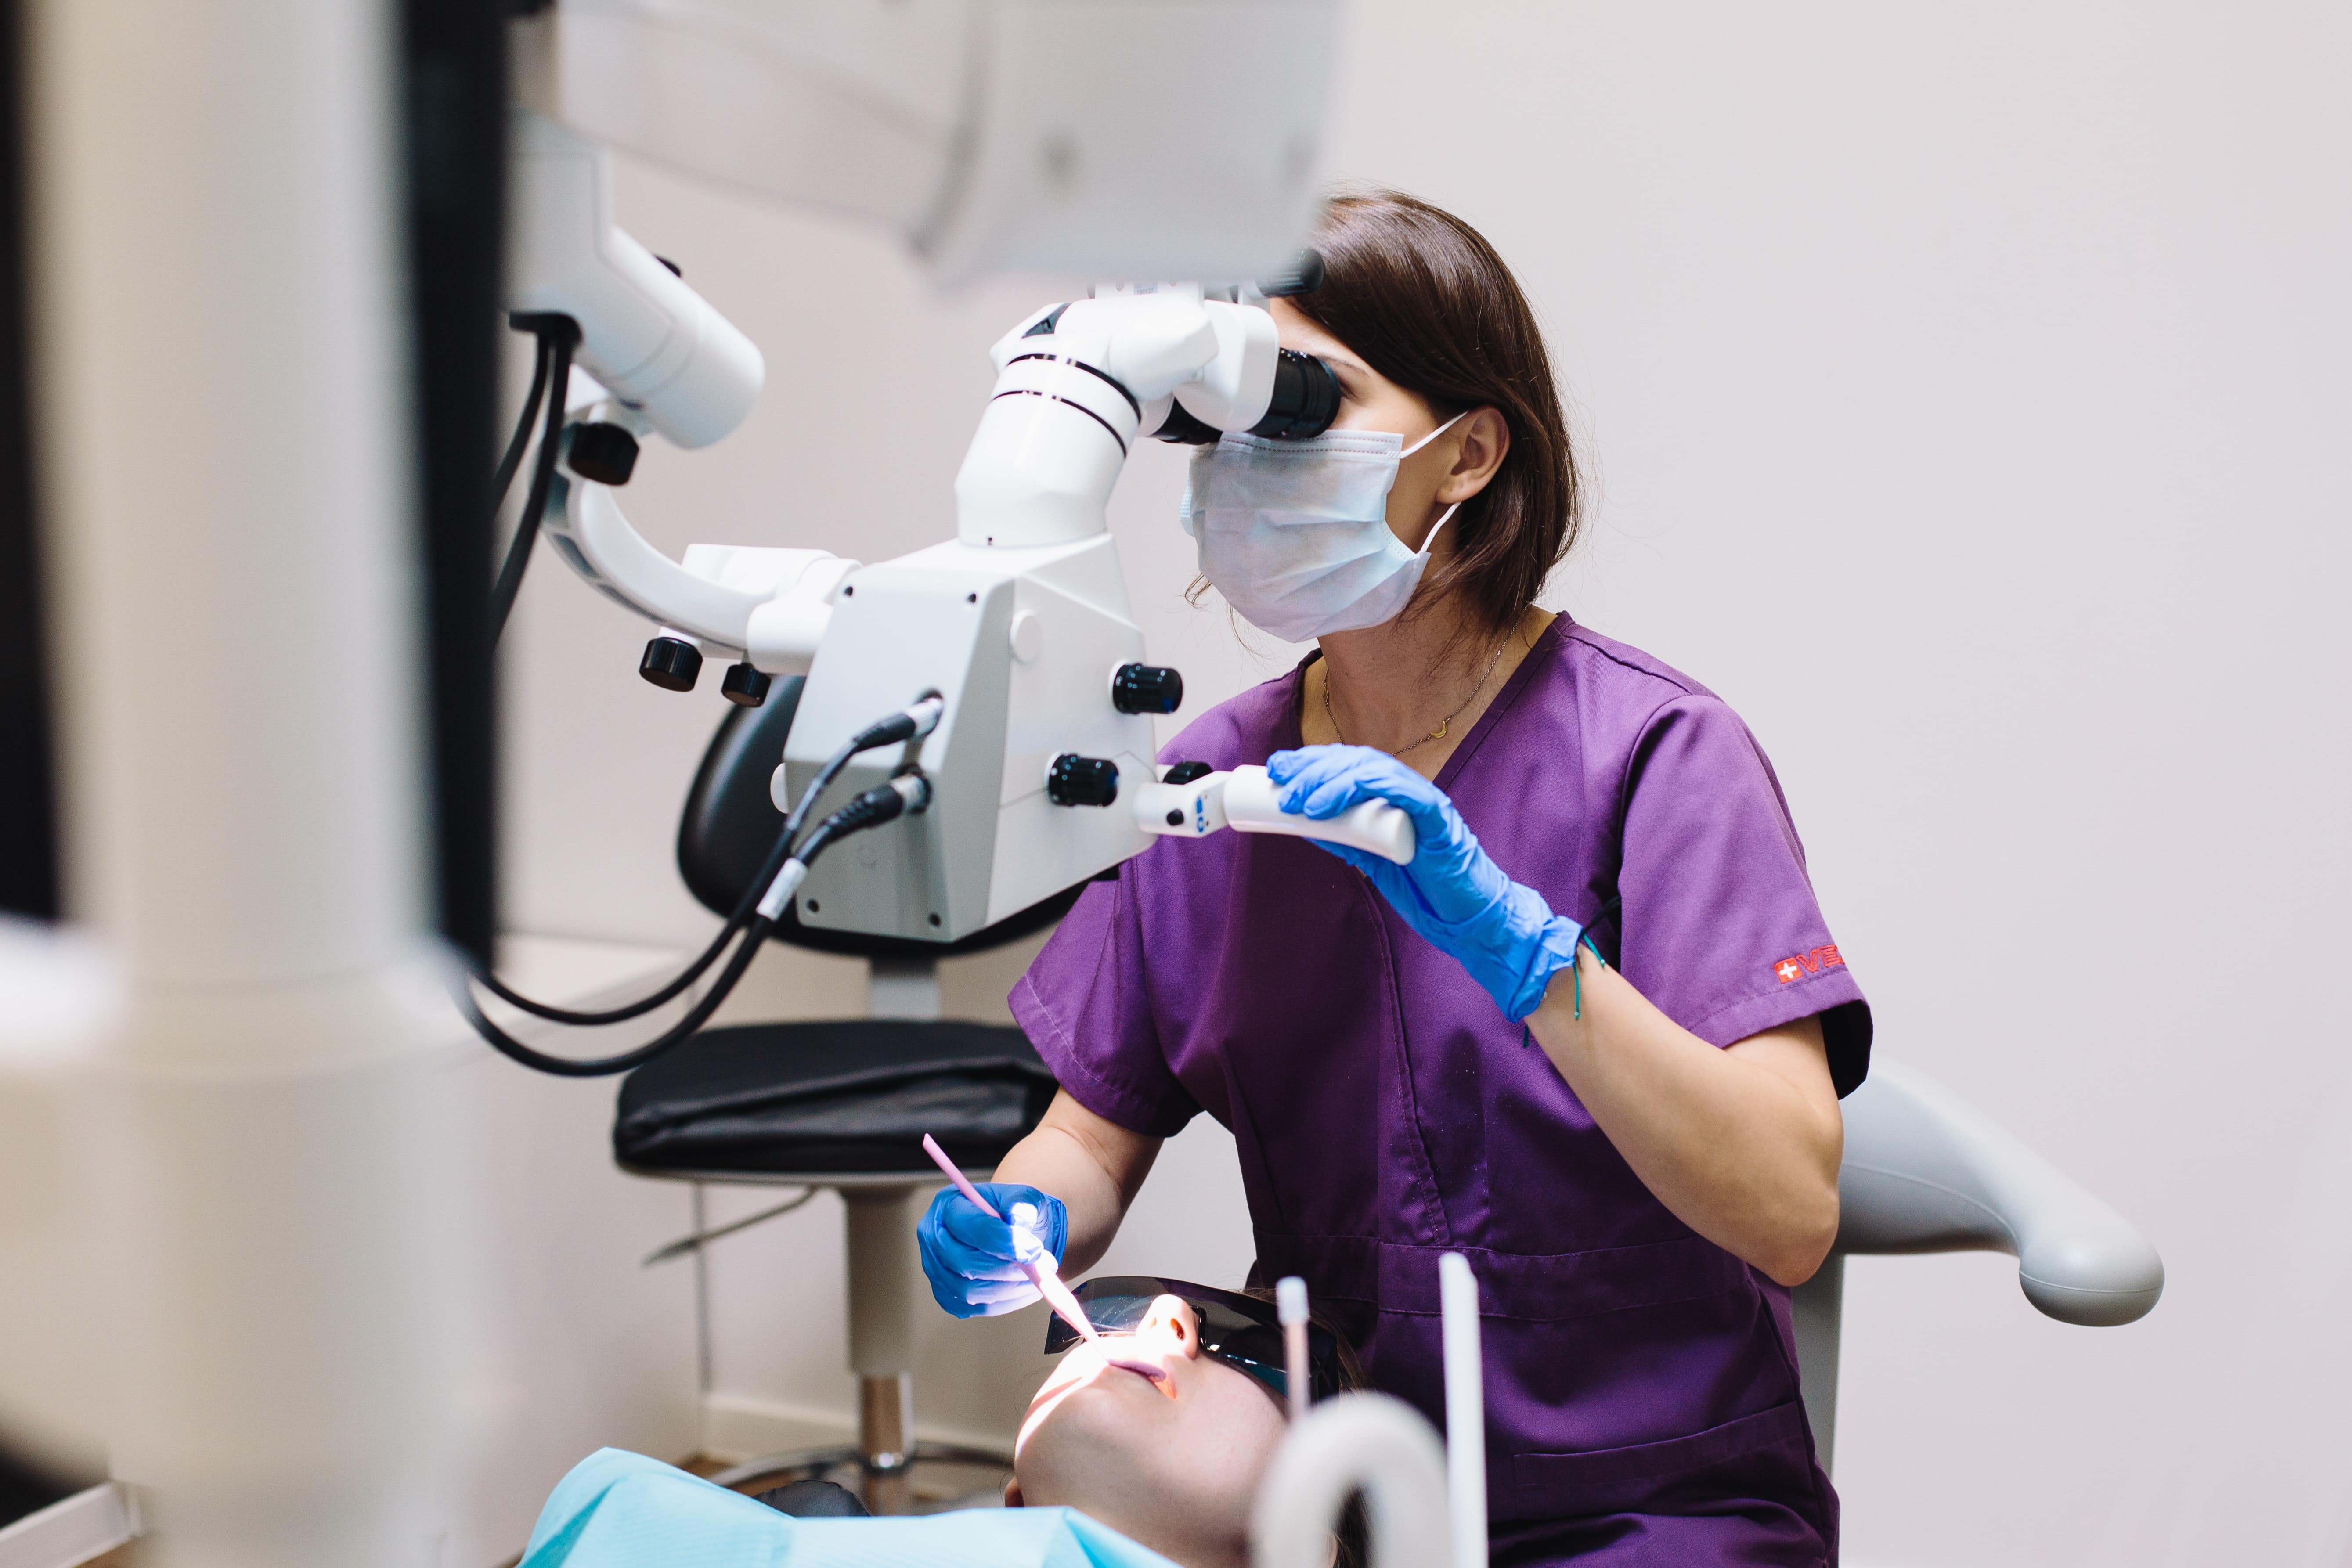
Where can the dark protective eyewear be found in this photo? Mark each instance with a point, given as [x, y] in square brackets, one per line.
[1243, 1332]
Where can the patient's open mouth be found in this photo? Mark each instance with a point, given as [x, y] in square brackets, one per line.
[1143, 1369]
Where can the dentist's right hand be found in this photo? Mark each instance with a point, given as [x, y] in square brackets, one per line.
[1450, 892]
[973, 1261]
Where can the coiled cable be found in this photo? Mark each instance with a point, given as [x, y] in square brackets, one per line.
[908, 793]
[755, 914]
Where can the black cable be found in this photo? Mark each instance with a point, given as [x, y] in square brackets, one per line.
[883, 804]
[523, 422]
[754, 936]
[562, 336]
[735, 923]
[903, 725]
[735, 919]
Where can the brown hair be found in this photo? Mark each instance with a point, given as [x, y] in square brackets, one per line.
[1428, 303]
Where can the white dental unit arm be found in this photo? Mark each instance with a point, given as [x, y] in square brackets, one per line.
[1424, 1495]
[1041, 768]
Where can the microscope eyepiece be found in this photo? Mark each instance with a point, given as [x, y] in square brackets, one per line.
[1305, 398]
[1303, 275]
[1186, 428]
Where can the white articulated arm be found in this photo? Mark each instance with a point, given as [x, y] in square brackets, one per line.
[769, 607]
[1373, 1444]
[1078, 384]
[1926, 1172]
[614, 556]
[653, 342]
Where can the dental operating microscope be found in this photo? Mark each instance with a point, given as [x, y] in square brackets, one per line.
[1035, 749]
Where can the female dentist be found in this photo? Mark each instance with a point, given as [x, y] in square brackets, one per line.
[1593, 1035]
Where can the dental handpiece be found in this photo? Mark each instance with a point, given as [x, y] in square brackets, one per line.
[1247, 800]
[1049, 1283]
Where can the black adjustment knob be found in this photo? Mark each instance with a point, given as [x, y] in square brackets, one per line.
[1145, 688]
[1074, 780]
[1185, 772]
[744, 687]
[605, 453]
[671, 664]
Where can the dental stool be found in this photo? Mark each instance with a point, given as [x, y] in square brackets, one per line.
[1926, 1172]
[838, 1104]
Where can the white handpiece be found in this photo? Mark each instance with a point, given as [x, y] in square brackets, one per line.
[1375, 826]
[1245, 800]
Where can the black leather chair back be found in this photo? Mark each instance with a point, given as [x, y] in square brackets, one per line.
[730, 825]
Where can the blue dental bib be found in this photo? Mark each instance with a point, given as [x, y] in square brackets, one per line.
[617, 1510]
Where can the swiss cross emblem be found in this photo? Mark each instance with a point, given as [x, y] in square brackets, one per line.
[1791, 969]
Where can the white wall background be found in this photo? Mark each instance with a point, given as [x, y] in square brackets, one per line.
[1967, 395]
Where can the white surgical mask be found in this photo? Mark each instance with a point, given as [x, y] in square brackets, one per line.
[1295, 535]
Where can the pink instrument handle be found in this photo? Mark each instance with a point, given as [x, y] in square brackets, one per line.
[1049, 1284]
[962, 1183]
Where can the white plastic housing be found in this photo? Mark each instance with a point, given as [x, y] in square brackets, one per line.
[656, 344]
[782, 634]
[1048, 451]
[1247, 801]
[1926, 1172]
[1232, 389]
[1069, 404]
[991, 844]
[1147, 139]
[851, 105]
[766, 604]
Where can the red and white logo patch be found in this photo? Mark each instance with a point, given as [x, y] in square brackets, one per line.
[1791, 969]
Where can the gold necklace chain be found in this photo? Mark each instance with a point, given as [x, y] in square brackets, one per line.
[1444, 726]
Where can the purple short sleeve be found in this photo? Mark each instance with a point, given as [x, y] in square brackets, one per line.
[1721, 930]
[1084, 1004]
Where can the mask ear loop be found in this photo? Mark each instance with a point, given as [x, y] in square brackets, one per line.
[1432, 436]
[1447, 515]
[1431, 537]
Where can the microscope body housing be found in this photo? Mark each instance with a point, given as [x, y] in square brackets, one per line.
[1021, 642]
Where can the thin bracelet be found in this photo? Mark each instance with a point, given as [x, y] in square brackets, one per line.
[1576, 970]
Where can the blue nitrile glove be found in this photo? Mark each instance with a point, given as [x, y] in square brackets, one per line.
[975, 1262]
[1451, 891]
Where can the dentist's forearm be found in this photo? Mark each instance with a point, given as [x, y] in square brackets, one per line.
[1742, 1144]
[1094, 1167]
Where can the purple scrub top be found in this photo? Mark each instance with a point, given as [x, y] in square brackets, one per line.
[1642, 1396]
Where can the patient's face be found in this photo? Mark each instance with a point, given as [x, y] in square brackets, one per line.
[1173, 1464]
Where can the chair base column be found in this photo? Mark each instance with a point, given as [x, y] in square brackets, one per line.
[886, 1425]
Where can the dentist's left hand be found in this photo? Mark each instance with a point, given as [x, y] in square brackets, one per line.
[973, 1262]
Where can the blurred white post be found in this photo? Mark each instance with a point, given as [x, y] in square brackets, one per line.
[1465, 1411]
[222, 390]
[1290, 1309]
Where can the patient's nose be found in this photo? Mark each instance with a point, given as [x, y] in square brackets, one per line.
[1171, 1325]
